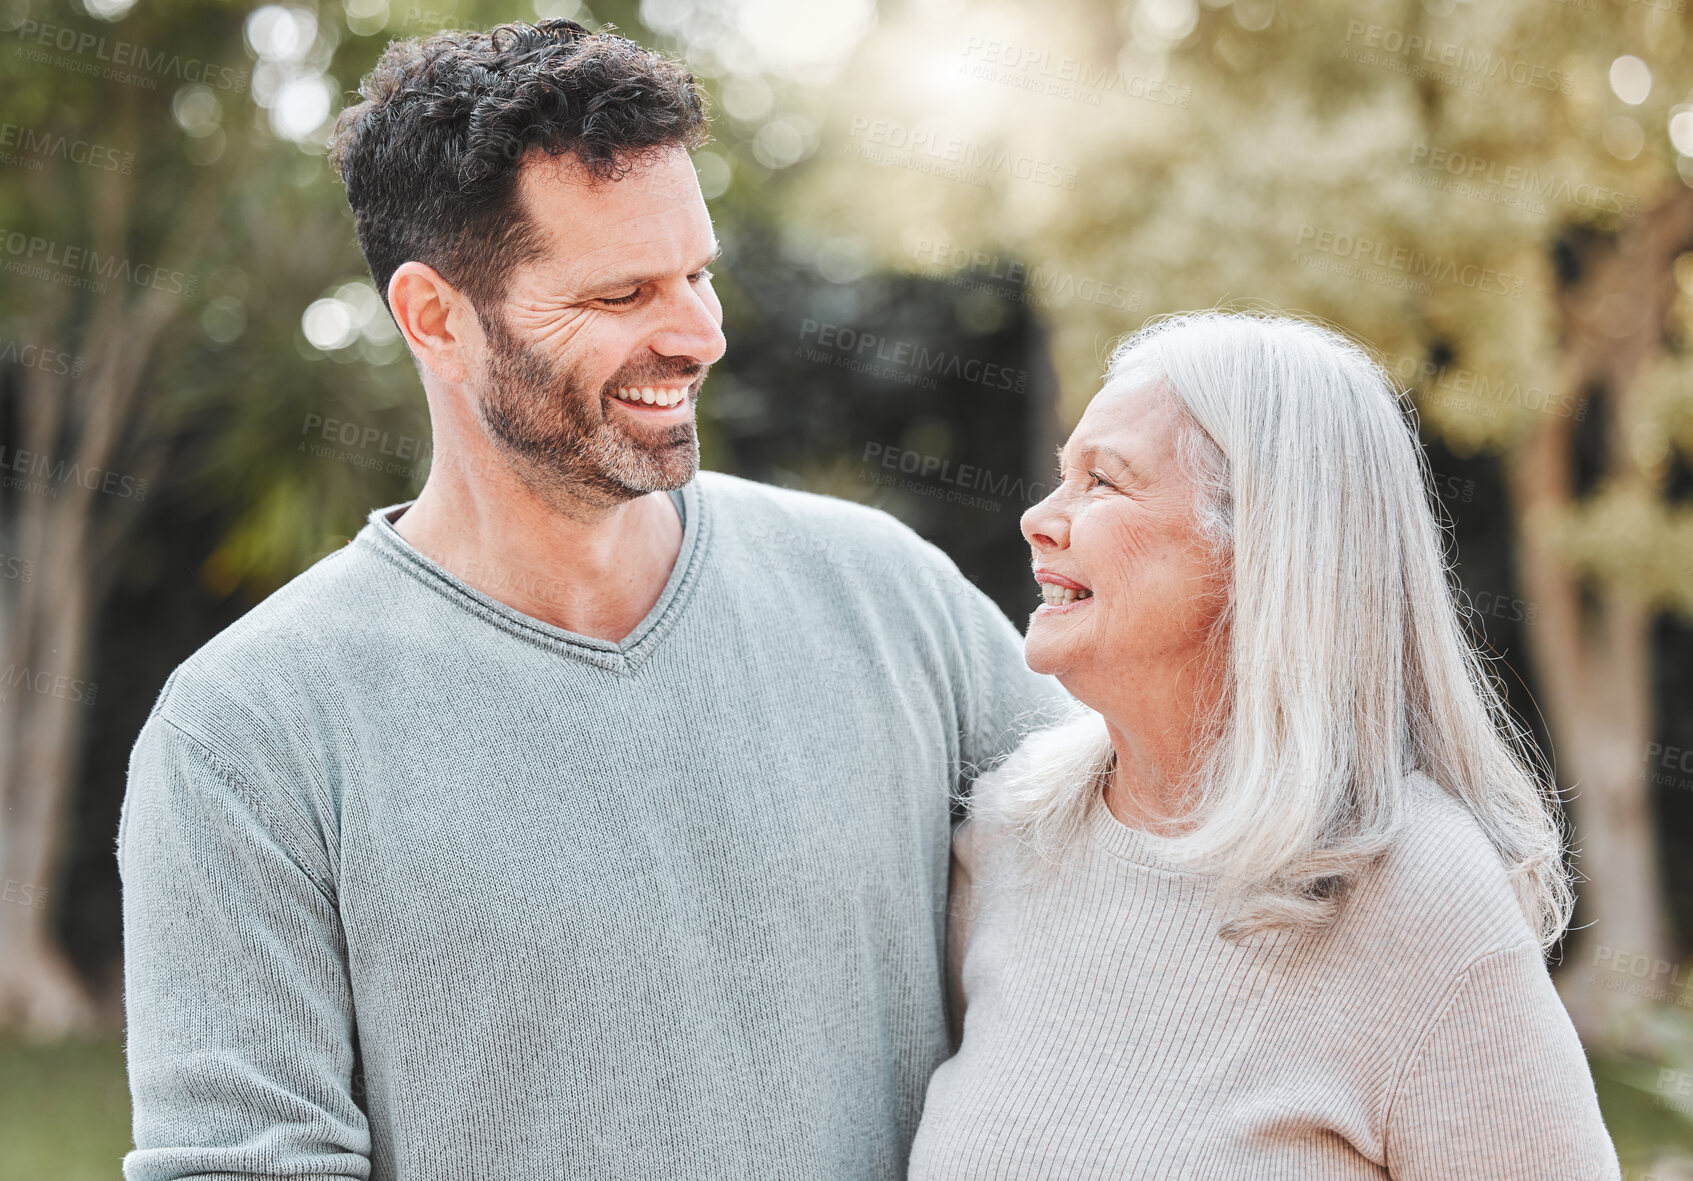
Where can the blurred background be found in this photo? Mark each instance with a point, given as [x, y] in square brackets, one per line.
[937, 216]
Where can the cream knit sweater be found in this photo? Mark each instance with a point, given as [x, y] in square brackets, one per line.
[1109, 1031]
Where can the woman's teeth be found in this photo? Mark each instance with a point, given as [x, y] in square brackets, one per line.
[1062, 596]
[652, 395]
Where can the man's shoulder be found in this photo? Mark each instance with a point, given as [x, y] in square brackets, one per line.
[778, 504]
[257, 705]
[262, 668]
[800, 525]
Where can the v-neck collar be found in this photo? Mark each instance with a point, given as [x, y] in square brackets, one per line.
[623, 655]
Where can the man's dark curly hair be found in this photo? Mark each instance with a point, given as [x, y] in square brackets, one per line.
[430, 158]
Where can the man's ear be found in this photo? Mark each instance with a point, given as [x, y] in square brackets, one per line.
[434, 318]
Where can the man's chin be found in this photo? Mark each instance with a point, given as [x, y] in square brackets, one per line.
[659, 471]
[669, 482]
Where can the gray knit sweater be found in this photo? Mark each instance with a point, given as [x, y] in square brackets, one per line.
[416, 886]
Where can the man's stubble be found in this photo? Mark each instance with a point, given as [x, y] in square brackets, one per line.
[556, 428]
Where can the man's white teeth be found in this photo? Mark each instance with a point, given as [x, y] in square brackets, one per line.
[1062, 596]
[652, 395]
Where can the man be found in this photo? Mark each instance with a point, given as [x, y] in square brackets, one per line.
[583, 818]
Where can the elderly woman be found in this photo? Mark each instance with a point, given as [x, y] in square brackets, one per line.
[1275, 905]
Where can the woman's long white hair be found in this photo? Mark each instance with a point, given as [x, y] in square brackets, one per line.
[1345, 661]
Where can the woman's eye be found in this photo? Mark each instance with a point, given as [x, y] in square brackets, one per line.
[1099, 478]
[622, 299]
[698, 275]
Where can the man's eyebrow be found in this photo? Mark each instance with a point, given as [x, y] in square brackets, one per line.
[626, 282]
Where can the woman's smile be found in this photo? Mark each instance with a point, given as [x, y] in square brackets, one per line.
[1061, 594]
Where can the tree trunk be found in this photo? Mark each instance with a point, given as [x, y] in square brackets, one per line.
[45, 696]
[43, 995]
[94, 422]
[1593, 658]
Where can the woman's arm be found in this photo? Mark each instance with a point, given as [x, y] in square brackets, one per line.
[960, 918]
[1498, 1086]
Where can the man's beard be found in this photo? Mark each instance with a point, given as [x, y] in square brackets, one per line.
[545, 416]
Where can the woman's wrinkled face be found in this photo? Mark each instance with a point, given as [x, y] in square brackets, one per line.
[1130, 590]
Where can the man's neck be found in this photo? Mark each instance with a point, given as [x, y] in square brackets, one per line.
[596, 573]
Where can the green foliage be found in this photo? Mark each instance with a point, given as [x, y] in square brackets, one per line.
[64, 1110]
[1415, 173]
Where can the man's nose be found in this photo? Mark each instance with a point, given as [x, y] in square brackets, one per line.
[693, 328]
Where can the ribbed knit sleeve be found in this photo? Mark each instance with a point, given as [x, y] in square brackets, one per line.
[240, 1030]
[962, 904]
[1498, 1086]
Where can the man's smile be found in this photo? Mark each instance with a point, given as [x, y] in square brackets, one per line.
[662, 396]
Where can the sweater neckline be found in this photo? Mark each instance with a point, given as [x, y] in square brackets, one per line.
[623, 655]
[1136, 845]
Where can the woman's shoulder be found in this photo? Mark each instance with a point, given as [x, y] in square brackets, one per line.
[1055, 760]
[1440, 894]
[1044, 783]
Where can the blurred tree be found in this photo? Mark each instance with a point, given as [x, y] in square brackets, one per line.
[1490, 193]
[166, 197]
[106, 200]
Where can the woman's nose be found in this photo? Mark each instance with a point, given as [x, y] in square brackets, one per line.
[1044, 526]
